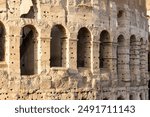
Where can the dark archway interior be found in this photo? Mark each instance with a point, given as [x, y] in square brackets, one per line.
[120, 17]
[120, 98]
[2, 42]
[58, 46]
[141, 96]
[119, 54]
[131, 97]
[27, 51]
[83, 48]
[132, 55]
[132, 46]
[120, 13]
[104, 49]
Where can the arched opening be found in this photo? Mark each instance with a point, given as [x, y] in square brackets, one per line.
[58, 46]
[120, 57]
[120, 17]
[141, 96]
[104, 49]
[133, 57]
[131, 97]
[142, 62]
[84, 48]
[120, 98]
[2, 42]
[28, 50]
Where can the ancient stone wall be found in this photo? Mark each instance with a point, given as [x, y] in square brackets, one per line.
[81, 49]
[148, 49]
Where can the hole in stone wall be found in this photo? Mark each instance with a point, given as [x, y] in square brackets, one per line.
[120, 16]
[120, 13]
[57, 47]
[104, 49]
[83, 47]
[2, 42]
[30, 12]
[27, 50]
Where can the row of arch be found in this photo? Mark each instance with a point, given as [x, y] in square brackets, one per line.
[141, 96]
[58, 52]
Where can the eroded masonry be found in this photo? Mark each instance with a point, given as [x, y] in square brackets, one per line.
[74, 49]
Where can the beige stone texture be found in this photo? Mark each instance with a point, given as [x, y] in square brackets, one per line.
[74, 49]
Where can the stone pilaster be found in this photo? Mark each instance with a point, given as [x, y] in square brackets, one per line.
[114, 62]
[65, 51]
[123, 70]
[14, 50]
[14, 9]
[72, 54]
[95, 57]
[143, 61]
[146, 65]
[45, 53]
[110, 60]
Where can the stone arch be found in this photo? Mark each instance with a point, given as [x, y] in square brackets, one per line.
[84, 48]
[120, 17]
[28, 50]
[134, 58]
[120, 56]
[104, 49]
[132, 39]
[141, 96]
[131, 97]
[58, 46]
[2, 41]
[120, 98]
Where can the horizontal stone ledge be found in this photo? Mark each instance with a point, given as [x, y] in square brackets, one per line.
[59, 68]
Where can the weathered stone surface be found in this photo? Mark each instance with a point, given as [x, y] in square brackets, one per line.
[83, 49]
